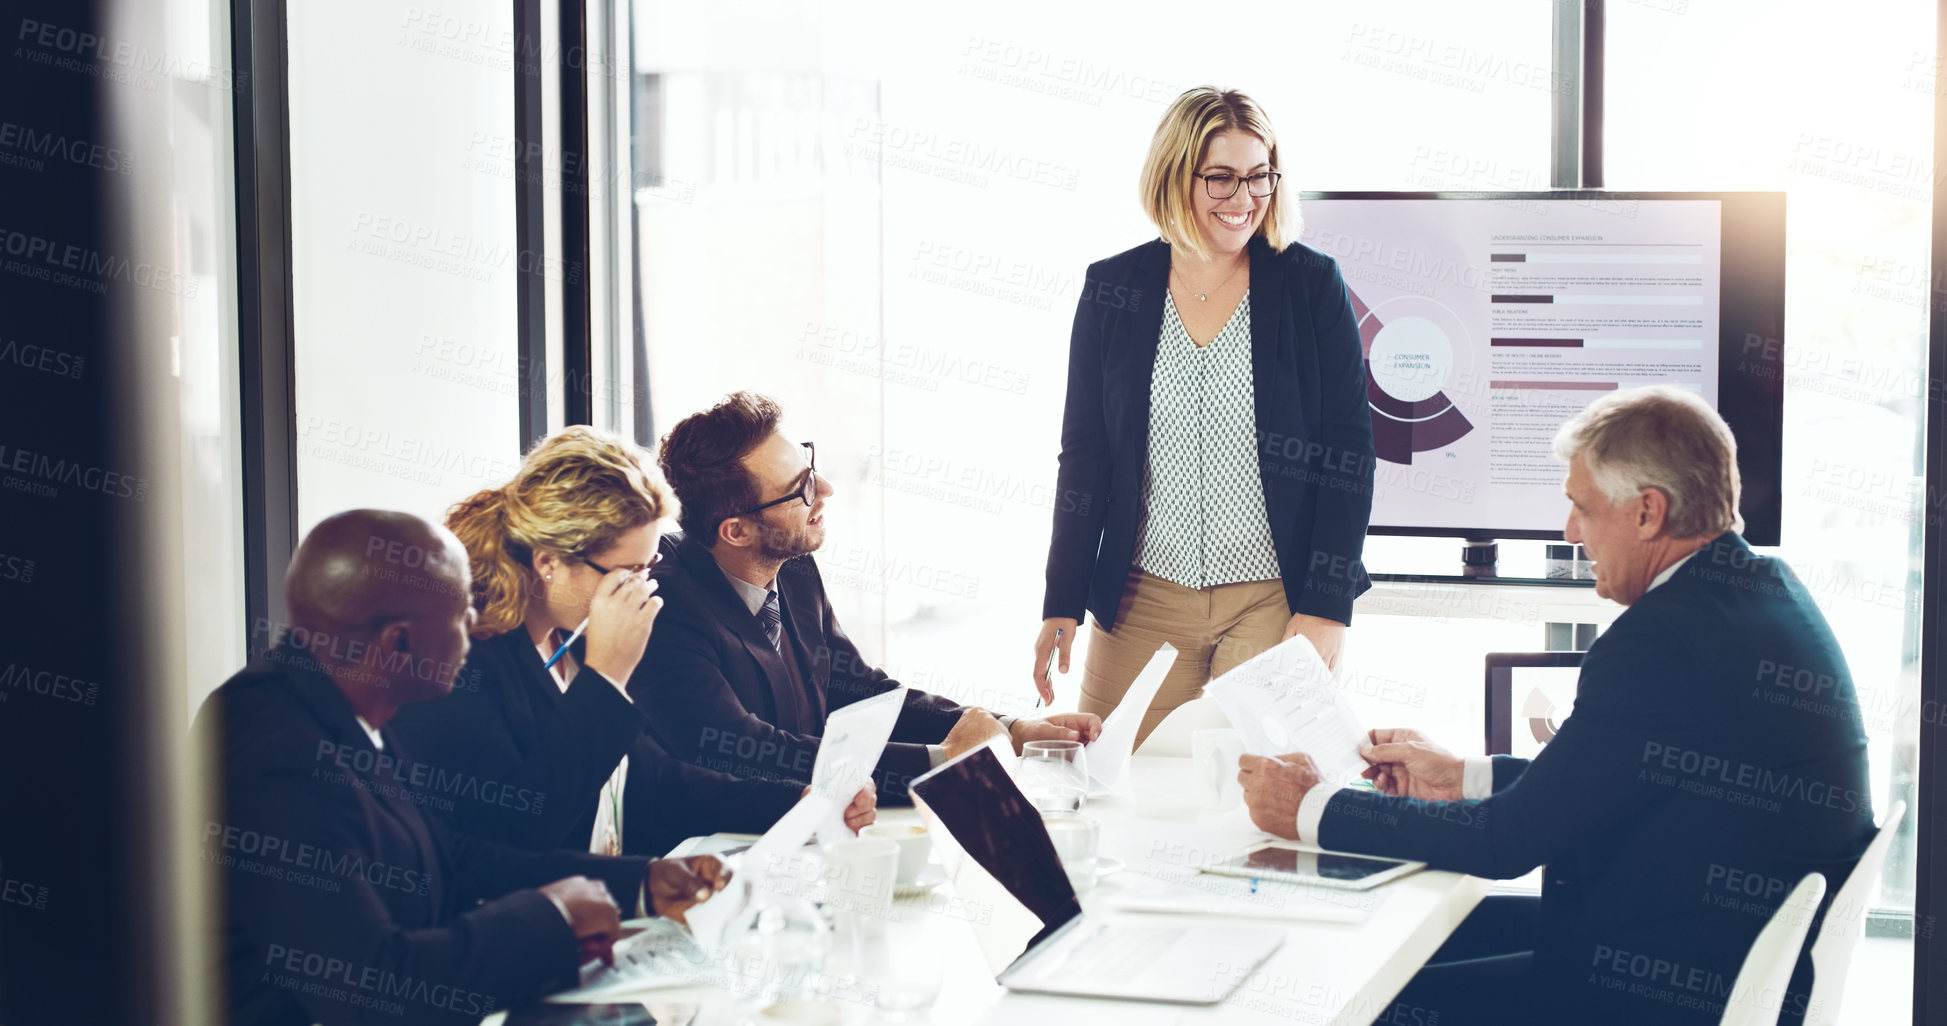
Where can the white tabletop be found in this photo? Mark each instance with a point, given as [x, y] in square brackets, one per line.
[1326, 972]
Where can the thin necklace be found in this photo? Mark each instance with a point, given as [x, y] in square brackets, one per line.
[1205, 296]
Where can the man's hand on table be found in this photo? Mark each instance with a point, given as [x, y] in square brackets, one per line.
[677, 884]
[974, 729]
[1406, 765]
[591, 913]
[1083, 727]
[1273, 789]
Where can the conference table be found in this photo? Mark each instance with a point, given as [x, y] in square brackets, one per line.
[1345, 957]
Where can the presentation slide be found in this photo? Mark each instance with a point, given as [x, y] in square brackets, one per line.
[1487, 323]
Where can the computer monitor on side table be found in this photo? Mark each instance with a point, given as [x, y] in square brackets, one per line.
[1546, 683]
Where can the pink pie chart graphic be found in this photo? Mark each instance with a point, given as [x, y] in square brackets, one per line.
[1410, 354]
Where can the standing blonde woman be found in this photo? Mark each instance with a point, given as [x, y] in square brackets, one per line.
[1216, 450]
[555, 756]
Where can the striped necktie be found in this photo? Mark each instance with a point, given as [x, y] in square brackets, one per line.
[773, 620]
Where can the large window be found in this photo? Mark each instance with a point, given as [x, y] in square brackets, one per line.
[1851, 145]
[404, 283]
[882, 215]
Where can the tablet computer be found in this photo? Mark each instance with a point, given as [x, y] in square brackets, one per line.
[1293, 862]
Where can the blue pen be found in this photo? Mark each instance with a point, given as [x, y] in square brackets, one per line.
[1254, 885]
[563, 650]
[1049, 670]
[559, 652]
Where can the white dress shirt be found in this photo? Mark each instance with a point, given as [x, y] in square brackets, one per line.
[1477, 771]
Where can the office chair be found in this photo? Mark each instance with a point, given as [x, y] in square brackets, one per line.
[1844, 921]
[1759, 991]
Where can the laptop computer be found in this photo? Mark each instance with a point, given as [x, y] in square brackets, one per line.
[1038, 939]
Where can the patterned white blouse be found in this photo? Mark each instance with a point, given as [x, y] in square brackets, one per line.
[1204, 522]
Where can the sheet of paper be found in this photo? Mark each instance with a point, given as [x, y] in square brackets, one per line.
[710, 919]
[1284, 701]
[855, 737]
[1108, 755]
[773, 854]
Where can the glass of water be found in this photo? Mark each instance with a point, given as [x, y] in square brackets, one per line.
[1054, 775]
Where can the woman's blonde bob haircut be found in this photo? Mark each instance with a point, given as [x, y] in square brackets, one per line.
[1178, 148]
[577, 491]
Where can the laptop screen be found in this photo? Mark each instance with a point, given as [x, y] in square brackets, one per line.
[977, 802]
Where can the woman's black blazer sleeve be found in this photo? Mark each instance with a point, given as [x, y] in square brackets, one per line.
[1341, 465]
[1083, 474]
[522, 779]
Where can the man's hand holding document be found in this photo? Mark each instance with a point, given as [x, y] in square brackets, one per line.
[855, 737]
[1284, 700]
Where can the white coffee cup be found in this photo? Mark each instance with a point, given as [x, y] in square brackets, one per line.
[1076, 839]
[1214, 755]
[915, 847]
[860, 876]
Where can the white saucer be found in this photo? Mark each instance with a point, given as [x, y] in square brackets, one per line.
[932, 876]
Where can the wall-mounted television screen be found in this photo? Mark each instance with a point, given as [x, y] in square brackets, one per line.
[1489, 319]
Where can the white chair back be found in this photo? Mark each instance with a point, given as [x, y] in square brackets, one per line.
[1172, 736]
[1845, 920]
[1759, 991]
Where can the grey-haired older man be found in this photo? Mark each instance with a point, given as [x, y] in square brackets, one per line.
[1691, 789]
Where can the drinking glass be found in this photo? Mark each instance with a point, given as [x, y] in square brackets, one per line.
[1054, 775]
[1076, 840]
[903, 978]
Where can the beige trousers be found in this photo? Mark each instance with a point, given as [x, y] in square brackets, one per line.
[1213, 629]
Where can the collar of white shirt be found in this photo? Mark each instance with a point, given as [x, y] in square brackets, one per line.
[1670, 571]
[371, 732]
[564, 669]
[752, 595]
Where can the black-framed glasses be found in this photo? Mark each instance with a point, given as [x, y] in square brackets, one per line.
[634, 568]
[808, 491]
[1223, 186]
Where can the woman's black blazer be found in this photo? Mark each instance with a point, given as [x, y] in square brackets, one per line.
[1314, 431]
[529, 760]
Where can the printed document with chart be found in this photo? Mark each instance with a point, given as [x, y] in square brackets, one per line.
[1284, 700]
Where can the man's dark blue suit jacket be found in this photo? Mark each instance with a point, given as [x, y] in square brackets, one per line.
[1714, 757]
[717, 694]
[345, 903]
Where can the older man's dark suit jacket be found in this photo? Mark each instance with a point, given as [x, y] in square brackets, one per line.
[507, 721]
[345, 903]
[1715, 732]
[716, 692]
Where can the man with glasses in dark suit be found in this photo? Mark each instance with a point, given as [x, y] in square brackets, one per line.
[748, 658]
